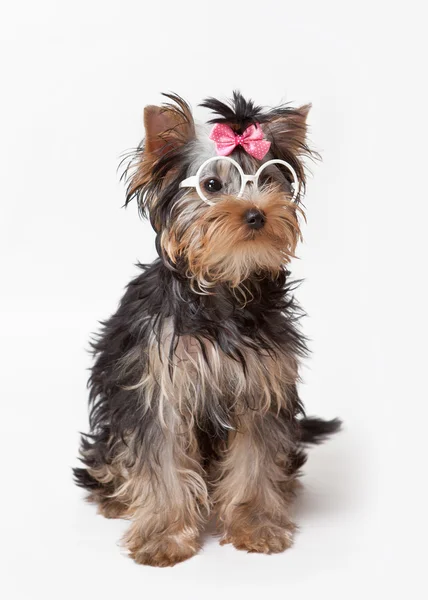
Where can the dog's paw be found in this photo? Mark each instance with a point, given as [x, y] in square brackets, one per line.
[165, 551]
[267, 540]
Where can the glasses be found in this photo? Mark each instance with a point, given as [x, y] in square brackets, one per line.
[221, 175]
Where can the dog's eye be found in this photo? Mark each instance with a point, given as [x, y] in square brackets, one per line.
[212, 185]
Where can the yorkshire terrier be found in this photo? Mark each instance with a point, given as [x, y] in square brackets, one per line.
[193, 394]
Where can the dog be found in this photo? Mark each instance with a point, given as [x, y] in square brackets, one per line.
[194, 406]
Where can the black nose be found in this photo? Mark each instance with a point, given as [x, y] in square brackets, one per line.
[255, 218]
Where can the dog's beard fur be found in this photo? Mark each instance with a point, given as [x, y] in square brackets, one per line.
[218, 246]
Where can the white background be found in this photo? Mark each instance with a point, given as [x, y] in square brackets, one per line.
[74, 80]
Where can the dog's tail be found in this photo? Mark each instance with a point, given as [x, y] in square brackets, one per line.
[314, 430]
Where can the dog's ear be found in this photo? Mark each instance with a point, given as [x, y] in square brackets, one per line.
[167, 127]
[286, 128]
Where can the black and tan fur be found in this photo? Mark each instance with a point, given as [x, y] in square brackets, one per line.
[194, 404]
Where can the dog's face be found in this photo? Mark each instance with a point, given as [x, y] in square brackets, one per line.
[226, 225]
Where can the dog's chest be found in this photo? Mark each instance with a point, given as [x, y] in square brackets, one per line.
[192, 370]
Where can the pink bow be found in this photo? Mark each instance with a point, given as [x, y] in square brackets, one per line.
[251, 140]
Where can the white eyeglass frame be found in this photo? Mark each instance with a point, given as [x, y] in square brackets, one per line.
[193, 181]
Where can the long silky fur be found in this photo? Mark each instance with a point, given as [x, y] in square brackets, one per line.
[193, 391]
[268, 323]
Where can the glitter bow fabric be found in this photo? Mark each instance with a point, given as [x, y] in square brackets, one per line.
[251, 140]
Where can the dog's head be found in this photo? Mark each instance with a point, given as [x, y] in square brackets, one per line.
[224, 199]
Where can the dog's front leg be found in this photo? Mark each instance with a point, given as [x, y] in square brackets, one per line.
[170, 497]
[251, 491]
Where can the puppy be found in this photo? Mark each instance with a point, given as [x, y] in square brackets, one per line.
[193, 393]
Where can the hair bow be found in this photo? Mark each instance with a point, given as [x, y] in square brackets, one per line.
[251, 140]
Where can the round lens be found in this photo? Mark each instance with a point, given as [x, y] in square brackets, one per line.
[279, 173]
[219, 177]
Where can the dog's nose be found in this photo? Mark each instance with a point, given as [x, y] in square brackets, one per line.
[255, 218]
